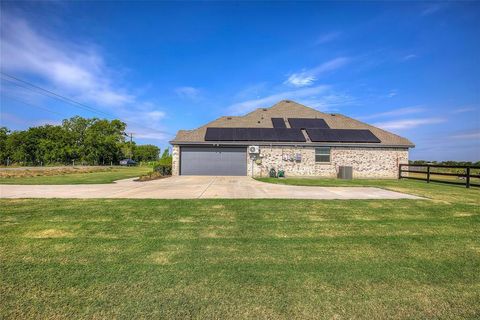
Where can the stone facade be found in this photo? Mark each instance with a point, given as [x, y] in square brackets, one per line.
[366, 162]
[176, 160]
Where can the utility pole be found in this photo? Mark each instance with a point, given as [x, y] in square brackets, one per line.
[131, 144]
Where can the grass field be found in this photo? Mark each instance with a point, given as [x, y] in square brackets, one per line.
[106, 175]
[276, 259]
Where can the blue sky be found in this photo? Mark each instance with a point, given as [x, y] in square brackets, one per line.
[410, 67]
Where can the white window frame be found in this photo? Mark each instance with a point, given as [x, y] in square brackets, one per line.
[323, 151]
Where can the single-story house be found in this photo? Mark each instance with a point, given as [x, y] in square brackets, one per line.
[291, 137]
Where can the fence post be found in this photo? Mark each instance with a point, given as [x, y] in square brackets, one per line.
[428, 174]
[468, 177]
[400, 171]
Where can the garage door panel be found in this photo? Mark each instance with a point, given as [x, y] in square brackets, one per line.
[213, 161]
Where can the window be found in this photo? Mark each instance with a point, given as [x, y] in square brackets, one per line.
[322, 154]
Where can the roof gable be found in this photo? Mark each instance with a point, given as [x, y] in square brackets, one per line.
[261, 118]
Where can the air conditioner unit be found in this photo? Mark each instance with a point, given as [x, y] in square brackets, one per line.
[253, 149]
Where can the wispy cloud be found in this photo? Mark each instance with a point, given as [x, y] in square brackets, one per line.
[407, 123]
[394, 113]
[308, 77]
[392, 93]
[469, 135]
[302, 79]
[409, 57]
[464, 110]
[190, 93]
[249, 105]
[328, 37]
[76, 70]
[432, 8]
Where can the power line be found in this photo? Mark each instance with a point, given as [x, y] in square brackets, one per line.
[58, 96]
[74, 103]
[35, 106]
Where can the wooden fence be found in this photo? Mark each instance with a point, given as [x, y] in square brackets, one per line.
[424, 172]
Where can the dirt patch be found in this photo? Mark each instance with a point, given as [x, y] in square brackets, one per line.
[462, 214]
[160, 257]
[151, 176]
[48, 171]
[49, 233]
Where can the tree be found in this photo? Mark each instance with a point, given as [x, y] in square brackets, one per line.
[147, 152]
[3, 144]
[166, 157]
[103, 141]
[85, 141]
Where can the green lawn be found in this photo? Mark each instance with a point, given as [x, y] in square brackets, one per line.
[115, 173]
[275, 259]
[420, 188]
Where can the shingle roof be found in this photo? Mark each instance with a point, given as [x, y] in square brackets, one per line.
[261, 118]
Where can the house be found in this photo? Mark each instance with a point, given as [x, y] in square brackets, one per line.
[291, 137]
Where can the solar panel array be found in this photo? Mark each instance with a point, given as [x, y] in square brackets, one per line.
[305, 123]
[255, 134]
[342, 135]
[278, 123]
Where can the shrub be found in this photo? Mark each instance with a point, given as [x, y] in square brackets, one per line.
[164, 166]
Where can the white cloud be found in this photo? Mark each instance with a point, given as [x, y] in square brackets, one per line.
[156, 115]
[76, 70]
[328, 37]
[249, 105]
[188, 93]
[407, 123]
[308, 77]
[300, 79]
[396, 112]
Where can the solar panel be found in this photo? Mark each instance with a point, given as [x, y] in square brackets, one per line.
[212, 134]
[342, 135]
[306, 123]
[255, 134]
[278, 123]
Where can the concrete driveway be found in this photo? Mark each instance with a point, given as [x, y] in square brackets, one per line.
[196, 187]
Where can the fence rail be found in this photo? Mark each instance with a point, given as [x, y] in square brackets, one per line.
[464, 178]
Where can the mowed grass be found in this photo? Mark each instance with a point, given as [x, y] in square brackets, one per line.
[270, 259]
[109, 176]
[434, 190]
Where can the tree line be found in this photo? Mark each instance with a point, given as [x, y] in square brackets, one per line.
[77, 140]
[446, 163]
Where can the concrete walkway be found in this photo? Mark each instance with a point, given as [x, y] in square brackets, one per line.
[196, 187]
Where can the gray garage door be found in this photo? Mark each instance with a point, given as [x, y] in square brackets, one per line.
[213, 161]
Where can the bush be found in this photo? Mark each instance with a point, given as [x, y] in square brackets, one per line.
[164, 166]
[164, 169]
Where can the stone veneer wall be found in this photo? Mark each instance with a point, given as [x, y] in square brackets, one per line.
[176, 160]
[366, 162]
